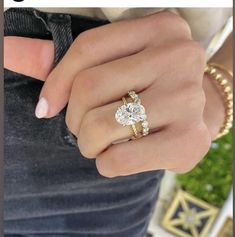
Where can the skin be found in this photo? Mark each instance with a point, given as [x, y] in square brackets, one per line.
[165, 66]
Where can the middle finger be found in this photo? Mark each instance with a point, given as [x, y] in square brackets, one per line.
[109, 82]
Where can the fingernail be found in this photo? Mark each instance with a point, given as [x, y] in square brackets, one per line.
[41, 108]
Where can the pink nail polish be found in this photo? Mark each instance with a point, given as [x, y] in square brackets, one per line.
[41, 108]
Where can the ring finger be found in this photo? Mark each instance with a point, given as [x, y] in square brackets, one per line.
[99, 128]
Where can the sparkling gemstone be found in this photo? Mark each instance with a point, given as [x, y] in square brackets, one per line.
[130, 114]
[132, 93]
[145, 132]
[134, 96]
[145, 124]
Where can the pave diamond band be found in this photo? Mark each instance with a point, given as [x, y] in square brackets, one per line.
[132, 113]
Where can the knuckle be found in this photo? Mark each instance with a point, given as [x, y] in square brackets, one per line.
[110, 173]
[86, 151]
[170, 19]
[85, 41]
[80, 81]
[93, 133]
[84, 85]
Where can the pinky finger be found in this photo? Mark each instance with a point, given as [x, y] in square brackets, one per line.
[157, 151]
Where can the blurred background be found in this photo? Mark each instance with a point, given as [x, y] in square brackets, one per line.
[198, 203]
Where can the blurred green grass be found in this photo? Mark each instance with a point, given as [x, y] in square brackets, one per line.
[211, 179]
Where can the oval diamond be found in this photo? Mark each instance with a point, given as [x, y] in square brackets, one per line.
[130, 113]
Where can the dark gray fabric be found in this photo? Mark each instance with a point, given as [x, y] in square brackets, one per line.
[50, 189]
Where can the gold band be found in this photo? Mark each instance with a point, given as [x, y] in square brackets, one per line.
[222, 82]
[135, 130]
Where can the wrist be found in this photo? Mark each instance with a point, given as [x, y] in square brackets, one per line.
[214, 112]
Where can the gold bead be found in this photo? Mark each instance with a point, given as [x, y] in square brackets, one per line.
[223, 82]
[230, 119]
[206, 69]
[229, 125]
[227, 89]
[218, 76]
[225, 131]
[213, 71]
[229, 104]
[229, 111]
[229, 96]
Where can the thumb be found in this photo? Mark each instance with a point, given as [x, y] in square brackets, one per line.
[31, 57]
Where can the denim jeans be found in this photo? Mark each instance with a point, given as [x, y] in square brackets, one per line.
[50, 188]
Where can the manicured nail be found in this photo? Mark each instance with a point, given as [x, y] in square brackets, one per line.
[41, 108]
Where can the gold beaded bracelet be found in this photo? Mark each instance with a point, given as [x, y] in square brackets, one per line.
[212, 71]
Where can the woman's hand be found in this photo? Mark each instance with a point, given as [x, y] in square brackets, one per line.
[156, 57]
[169, 82]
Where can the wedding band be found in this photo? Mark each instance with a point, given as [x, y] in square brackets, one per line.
[132, 113]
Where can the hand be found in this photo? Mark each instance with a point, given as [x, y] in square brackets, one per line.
[154, 56]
